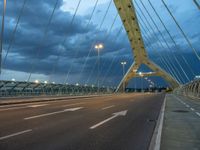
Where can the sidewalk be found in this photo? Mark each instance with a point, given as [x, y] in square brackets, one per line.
[181, 128]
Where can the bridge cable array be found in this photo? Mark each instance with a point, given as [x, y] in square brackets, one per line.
[167, 54]
[39, 47]
[2, 33]
[172, 39]
[169, 48]
[168, 65]
[13, 33]
[183, 33]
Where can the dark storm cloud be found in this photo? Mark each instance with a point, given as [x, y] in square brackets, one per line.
[30, 50]
[52, 53]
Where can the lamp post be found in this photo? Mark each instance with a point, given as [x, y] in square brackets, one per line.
[141, 74]
[123, 63]
[98, 47]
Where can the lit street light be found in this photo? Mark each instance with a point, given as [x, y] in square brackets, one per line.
[98, 47]
[123, 63]
[36, 81]
[141, 74]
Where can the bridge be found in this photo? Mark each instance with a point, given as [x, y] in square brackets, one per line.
[99, 75]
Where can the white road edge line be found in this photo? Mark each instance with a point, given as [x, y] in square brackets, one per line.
[156, 138]
[53, 113]
[14, 134]
[108, 107]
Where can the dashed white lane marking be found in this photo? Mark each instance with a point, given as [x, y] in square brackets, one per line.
[14, 134]
[35, 106]
[29, 106]
[198, 113]
[74, 104]
[15, 108]
[53, 113]
[108, 107]
[192, 109]
[188, 106]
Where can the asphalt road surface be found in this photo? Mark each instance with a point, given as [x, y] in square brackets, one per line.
[113, 122]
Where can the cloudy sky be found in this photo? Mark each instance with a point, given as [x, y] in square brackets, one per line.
[47, 40]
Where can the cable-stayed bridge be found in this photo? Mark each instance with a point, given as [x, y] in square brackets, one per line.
[128, 68]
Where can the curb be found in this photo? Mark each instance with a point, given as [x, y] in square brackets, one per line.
[156, 138]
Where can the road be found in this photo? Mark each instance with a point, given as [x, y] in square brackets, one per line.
[113, 122]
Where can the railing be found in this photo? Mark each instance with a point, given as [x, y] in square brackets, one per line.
[191, 89]
[22, 88]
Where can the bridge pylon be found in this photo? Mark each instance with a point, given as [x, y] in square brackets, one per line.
[128, 16]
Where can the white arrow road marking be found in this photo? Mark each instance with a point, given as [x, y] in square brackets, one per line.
[14, 134]
[35, 106]
[117, 114]
[53, 113]
[108, 107]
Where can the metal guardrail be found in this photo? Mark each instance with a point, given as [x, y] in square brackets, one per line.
[23, 88]
[191, 89]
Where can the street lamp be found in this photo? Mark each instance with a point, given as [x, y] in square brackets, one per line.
[98, 47]
[123, 63]
[36, 81]
[141, 74]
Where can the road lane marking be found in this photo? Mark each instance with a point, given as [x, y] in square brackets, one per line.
[14, 134]
[74, 104]
[192, 109]
[53, 113]
[108, 107]
[24, 107]
[35, 106]
[117, 114]
[187, 105]
[12, 108]
[198, 113]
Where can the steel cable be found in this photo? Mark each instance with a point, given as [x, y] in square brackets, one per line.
[38, 48]
[176, 60]
[183, 33]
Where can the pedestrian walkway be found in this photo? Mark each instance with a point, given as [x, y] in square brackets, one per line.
[181, 128]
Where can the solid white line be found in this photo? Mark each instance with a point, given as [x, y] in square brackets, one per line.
[15, 134]
[108, 107]
[156, 138]
[198, 113]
